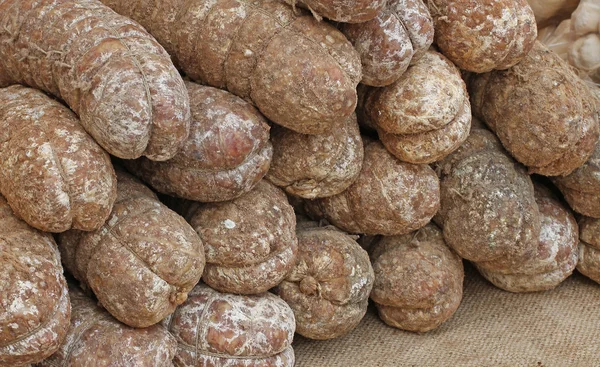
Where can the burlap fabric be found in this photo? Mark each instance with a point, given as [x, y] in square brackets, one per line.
[492, 327]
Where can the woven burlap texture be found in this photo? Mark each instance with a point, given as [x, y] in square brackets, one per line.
[492, 327]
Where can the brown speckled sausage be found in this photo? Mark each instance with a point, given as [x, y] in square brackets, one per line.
[108, 69]
[313, 166]
[581, 188]
[142, 262]
[228, 150]
[220, 329]
[329, 286]
[589, 248]
[543, 90]
[556, 255]
[300, 73]
[34, 302]
[52, 173]
[95, 338]
[425, 115]
[389, 197]
[348, 11]
[488, 211]
[398, 37]
[418, 279]
[483, 35]
[250, 242]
